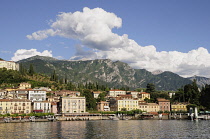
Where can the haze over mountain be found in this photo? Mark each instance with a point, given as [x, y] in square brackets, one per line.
[105, 71]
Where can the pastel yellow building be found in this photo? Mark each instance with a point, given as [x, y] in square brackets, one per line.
[24, 86]
[128, 104]
[15, 106]
[149, 107]
[179, 107]
[143, 95]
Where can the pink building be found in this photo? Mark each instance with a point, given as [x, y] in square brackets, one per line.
[164, 104]
[54, 107]
[103, 106]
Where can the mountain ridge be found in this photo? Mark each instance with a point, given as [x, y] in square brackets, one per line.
[105, 71]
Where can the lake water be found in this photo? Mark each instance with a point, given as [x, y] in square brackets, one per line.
[107, 129]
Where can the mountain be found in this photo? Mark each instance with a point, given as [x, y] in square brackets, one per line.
[201, 81]
[105, 71]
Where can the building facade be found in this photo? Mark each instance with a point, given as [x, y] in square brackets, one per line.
[143, 95]
[164, 104]
[103, 106]
[96, 94]
[12, 106]
[134, 94]
[128, 104]
[73, 105]
[179, 106]
[115, 93]
[149, 107]
[44, 106]
[37, 95]
[10, 65]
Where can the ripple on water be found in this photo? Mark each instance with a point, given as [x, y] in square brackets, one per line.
[128, 129]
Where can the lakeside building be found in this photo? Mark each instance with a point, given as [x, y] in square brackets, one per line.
[103, 106]
[72, 105]
[37, 95]
[116, 92]
[128, 104]
[149, 107]
[10, 65]
[54, 107]
[179, 106]
[43, 106]
[143, 95]
[164, 104]
[12, 106]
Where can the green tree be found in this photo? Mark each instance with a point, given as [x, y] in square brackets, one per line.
[150, 88]
[191, 93]
[31, 70]
[101, 97]
[90, 101]
[179, 96]
[205, 97]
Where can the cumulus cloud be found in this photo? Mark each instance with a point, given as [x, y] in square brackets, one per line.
[93, 27]
[23, 54]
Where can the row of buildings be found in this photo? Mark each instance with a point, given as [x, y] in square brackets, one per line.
[26, 100]
[131, 100]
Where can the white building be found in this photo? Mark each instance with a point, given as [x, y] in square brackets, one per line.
[37, 95]
[115, 92]
[44, 106]
[9, 65]
[96, 94]
[134, 94]
[73, 105]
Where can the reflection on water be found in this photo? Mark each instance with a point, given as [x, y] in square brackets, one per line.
[147, 129]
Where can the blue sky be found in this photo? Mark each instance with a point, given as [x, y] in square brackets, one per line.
[170, 29]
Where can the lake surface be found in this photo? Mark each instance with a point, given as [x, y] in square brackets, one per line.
[107, 129]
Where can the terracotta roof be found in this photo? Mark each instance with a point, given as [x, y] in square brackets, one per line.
[144, 93]
[14, 100]
[23, 89]
[143, 104]
[97, 92]
[53, 103]
[163, 99]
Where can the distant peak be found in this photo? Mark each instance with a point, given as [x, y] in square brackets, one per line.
[156, 72]
[46, 58]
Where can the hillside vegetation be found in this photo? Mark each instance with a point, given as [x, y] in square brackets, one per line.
[104, 71]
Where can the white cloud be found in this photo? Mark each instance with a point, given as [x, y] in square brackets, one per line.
[23, 54]
[93, 27]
